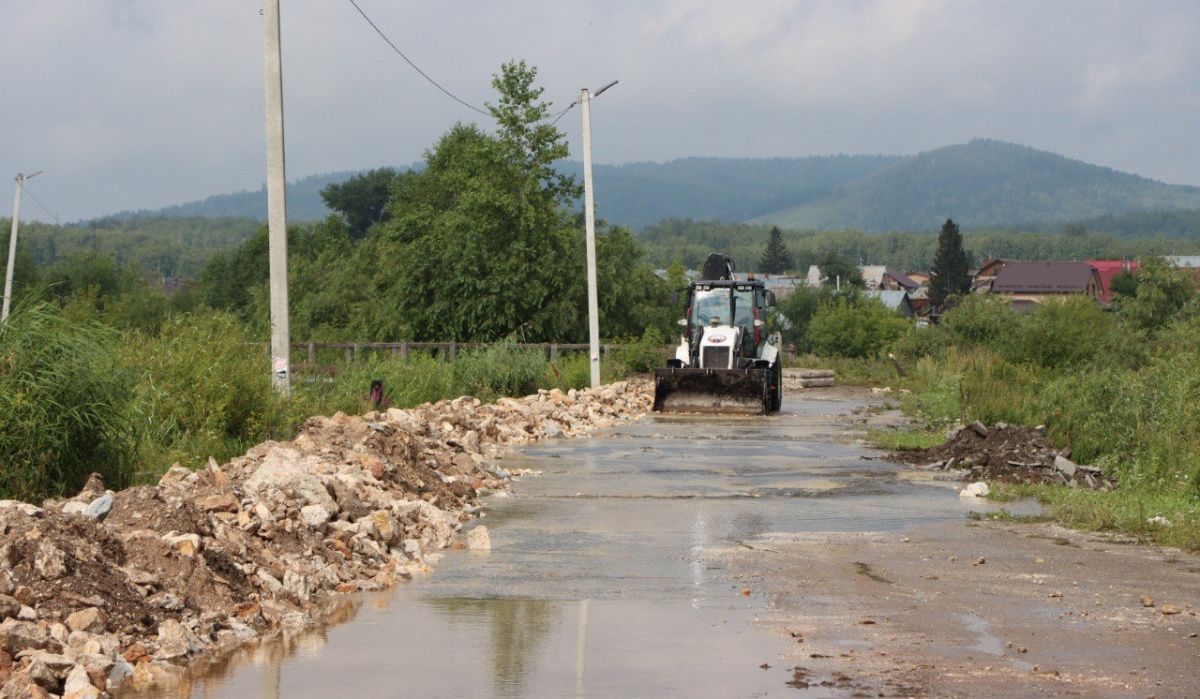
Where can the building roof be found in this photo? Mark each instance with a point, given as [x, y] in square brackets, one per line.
[1191, 261]
[874, 276]
[891, 299]
[1107, 270]
[1044, 278]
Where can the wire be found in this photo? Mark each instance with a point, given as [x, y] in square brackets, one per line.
[25, 189]
[563, 113]
[415, 67]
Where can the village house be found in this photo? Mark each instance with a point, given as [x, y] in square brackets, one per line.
[1109, 269]
[880, 278]
[896, 300]
[1027, 283]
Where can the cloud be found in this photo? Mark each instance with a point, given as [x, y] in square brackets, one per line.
[141, 103]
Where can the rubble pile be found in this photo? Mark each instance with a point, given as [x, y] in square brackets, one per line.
[1007, 453]
[106, 588]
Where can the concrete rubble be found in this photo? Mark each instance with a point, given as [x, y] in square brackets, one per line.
[1007, 453]
[111, 588]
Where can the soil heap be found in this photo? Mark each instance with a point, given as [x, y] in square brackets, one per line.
[109, 587]
[1007, 453]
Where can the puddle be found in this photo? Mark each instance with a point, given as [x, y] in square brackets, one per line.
[601, 579]
[986, 642]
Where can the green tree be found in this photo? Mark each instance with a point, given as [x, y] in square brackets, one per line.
[855, 326]
[480, 245]
[362, 200]
[1161, 293]
[798, 308]
[775, 259]
[839, 271]
[950, 265]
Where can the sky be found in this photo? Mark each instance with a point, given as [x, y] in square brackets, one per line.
[130, 104]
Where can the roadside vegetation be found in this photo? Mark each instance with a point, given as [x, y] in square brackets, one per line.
[1117, 387]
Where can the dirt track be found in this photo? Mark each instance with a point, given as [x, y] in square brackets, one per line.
[979, 608]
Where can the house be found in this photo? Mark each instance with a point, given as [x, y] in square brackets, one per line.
[921, 278]
[983, 277]
[1109, 269]
[896, 300]
[880, 278]
[1186, 262]
[1032, 282]
[814, 277]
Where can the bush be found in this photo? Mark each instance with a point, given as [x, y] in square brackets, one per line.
[855, 326]
[1060, 333]
[64, 402]
[980, 319]
[647, 353]
[203, 390]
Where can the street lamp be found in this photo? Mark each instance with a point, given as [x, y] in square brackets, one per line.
[589, 215]
[12, 244]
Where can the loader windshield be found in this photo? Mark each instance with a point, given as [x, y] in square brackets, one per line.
[729, 305]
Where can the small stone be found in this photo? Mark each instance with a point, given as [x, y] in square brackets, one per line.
[1147, 601]
[27, 613]
[49, 561]
[552, 429]
[478, 539]
[977, 489]
[1064, 466]
[99, 508]
[1056, 594]
[91, 620]
[224, 502]
[9, 607]
[979, 428]
[74, 507]
[50, 669]
[168, 601]
[78, 682]
[1169, 609]
[314, 516]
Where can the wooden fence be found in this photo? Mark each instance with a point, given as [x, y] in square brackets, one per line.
[352, 351]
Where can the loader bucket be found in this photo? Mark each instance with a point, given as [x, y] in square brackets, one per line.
[714, 391]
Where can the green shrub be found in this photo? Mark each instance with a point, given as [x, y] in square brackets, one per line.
[1060, 333]
[203, 390]
[855, 326]
[979, 319]
[647, 353]
[64, 402]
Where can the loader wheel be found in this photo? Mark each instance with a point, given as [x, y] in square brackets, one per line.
[777, 390]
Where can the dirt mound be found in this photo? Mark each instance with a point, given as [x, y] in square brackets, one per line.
[112, 587]
[1006, 453]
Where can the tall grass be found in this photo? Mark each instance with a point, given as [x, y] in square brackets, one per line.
[64, 405]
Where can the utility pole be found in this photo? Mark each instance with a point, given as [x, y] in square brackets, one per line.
[12, 245]
[276, 203]
[589, 215]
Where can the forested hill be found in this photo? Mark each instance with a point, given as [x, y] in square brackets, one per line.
[633, 194]
[979, 184]
[983, 183]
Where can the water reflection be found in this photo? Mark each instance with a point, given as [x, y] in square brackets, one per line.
[517, 628]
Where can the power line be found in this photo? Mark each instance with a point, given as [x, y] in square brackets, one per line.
[563, 113]
[41, 205]
[415, 67]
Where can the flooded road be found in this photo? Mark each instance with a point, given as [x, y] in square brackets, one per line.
[602, 579]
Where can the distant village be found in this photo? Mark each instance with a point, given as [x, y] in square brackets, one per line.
[1024, 282]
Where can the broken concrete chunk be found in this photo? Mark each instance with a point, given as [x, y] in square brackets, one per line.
[99, 508]
[977, 489]
[979, 428]
[478, 539]
[91, 619]
[1064, 466]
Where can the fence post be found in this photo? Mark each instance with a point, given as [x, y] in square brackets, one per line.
[554, 351]
[606, 353]
[404, 352]
[348, 353]
[312, 355]
[453, 351]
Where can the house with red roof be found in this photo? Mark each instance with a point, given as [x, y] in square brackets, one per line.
[1109, 269]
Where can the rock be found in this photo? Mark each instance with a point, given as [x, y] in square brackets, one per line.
[552, 429]
[1147, 601]
[186, 544]
[99, 508]
[74, 507]
[31, 510]
[167, 600]
[27, 613]
[87, 691]
[314, 516]
[478, 539]
[268, 582]
[9, 607]
[155, 675]
[91, 620]
[281, 470]
[1064, 466]
[224, 502]
[1159, 520]
[175, 640]
[49, 561]
[1169, 609]
[176, 475]
[78, 682]
[297, 584]
[22, 686]
[977, 489]
[50, 669]
[979, 428]
[118, 672]
[1001, 426]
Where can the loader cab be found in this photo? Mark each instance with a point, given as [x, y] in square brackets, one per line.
[742, 304]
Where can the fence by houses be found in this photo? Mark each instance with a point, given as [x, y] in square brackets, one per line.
[354, 351]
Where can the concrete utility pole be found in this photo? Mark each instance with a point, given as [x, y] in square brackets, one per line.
[589, 215]
[12, 245]
[276, 203]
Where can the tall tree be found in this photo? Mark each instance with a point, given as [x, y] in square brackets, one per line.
[362, 200]
[839, 271]
[950, 265]
[775, 259]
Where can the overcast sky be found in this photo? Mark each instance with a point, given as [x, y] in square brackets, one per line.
[132, 104]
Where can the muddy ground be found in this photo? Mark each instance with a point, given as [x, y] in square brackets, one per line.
[977, 608]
